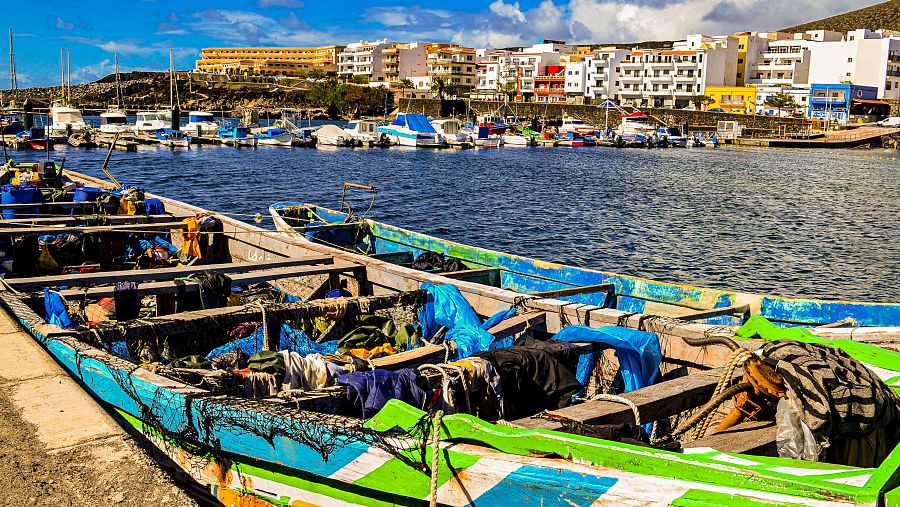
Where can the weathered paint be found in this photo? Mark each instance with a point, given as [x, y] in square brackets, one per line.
[633, 294]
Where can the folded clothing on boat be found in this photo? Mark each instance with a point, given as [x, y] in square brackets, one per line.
[307, 373]
[368, 391]
[433, 261]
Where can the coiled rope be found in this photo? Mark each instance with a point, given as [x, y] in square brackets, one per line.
[622, 400]
[737, 358]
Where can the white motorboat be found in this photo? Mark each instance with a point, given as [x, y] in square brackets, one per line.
[114, 121]
[570, 124]
[151, 121]
[452, 133]
[636, 123]
[518, 140]
[65, 121]
[412, 130]
[332, 135]
[365, 133]
[201, 122]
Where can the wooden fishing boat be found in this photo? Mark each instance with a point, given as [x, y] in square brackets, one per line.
[583, 285]
[305, 448]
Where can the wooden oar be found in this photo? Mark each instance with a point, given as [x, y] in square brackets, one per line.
[112, 146]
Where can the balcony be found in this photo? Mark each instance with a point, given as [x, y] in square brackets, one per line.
[684, 77]
[547, 77]
[629, 92]
[630, 78]
[661, 77]
[774, 55]
[632, 64]
[685, 63]
[544, 92]
[774, 67]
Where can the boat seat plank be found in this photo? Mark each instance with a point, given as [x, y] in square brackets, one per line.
[401, 258]
[654, 402]
[716, 312]
[240, 279]
[77, 219]
[149, 227]
[574, 291]
[330, 227]
[517, 324]
[107, 277]
[230, 316]
[749, 437]
[491, 275]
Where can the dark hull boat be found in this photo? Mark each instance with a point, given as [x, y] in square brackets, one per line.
[276, 370]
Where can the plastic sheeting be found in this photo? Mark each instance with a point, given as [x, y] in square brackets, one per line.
[448, 308]
[416, 122]
[55, 306]
[291, 339]
[638, 352]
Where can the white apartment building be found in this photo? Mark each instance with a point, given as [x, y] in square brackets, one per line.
[861, 57]
[800, 93]
[496, 74]
[786, 61]
[363, 59]
[602, 72]
[669, 78]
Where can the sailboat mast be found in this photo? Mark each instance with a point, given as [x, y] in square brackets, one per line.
[12, 68]
[120, 102]
[171, 81]
[62, 75]
[68, 75]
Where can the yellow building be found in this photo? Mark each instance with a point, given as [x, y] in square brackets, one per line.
[268, 61]
[454, 63]
[732, 99]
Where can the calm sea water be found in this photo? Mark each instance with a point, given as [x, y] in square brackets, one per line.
[795, 223]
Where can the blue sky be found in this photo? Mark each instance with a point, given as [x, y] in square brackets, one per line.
[143, 31]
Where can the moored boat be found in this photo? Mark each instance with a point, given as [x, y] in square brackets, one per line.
[412, 130]
[173, 138]
[451, 132]
[65, 121]
[365, 133]
[274, 137]
[201, 123]
[236, 135]
[114, 121]
[148, 122]
[269, 434]
[34, 138]
[332, 135]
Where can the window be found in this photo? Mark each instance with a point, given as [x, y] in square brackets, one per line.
[740, 60]
[740, 46]
[617, 84]
[849, 60]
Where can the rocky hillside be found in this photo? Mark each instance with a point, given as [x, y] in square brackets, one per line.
[884, 15]
[148, 90]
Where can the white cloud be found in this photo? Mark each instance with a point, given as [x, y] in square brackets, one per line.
[287, 4]
[63, 24]
[505, 10]
[94, 72]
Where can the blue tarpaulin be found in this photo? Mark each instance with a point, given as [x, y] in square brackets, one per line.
[55, 306]
[447, 307]
[638, 352]
[417, 122]
[291, 339]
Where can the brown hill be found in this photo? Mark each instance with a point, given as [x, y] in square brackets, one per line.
[884, 15]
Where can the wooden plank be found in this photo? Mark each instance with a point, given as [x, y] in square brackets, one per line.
[426, 354]
[59, 205]
[107, 277]
[401, 258]
[78, 219]
[476, 275]
[574, 291]
[159, 226]
[172, 287]
[517, 324]
[715, 312]
[654, 402]
[329, 227]
[214, 320]
[751, 437]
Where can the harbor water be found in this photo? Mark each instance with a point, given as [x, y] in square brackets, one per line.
[792, 223]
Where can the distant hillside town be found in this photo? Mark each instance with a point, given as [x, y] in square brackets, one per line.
[818, 74]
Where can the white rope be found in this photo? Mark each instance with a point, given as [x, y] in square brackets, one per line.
[622, 400]
[265, 327]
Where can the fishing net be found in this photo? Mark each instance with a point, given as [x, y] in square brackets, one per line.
[196, 417]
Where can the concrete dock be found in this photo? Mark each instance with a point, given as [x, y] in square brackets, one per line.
[59, 447]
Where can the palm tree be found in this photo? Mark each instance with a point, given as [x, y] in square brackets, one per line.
[406, 84]
[781, 101]
[701, 101]
[439, 85]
